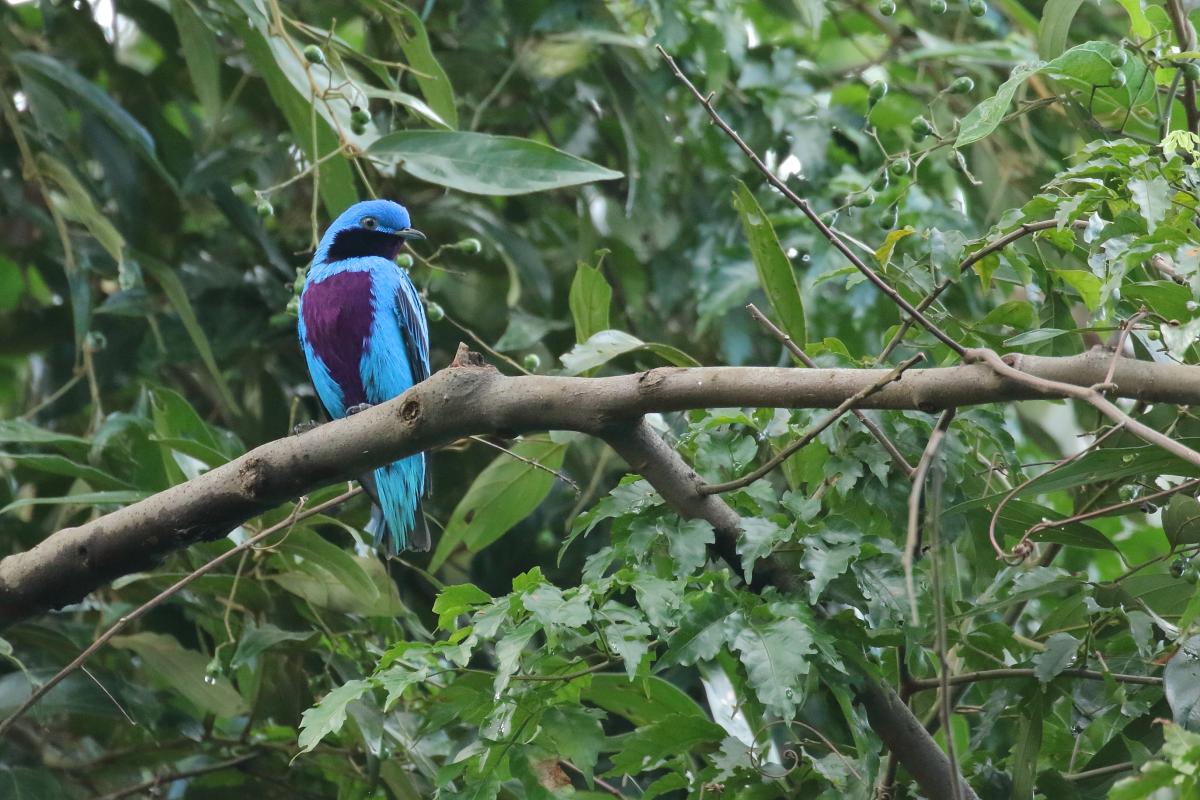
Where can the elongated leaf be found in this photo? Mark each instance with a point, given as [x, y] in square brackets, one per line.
[185, 672]
[319, 555]
[113, 498]
[1055, 25]
[60, 465]
[24, 783]
[200, 53]
[479, 163]
[590, 300]
[507, 491]
[774, 269]
[177, 295]
[604, 346]
[94, 99]
[81, 208]
[984, 118]
[641, 702]
[650, 745]
[1028, 745]
[432, 79]
[1058, 655]
[18, 431]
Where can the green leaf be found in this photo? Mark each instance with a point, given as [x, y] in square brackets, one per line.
[643, 701]
[453, 601]
[59, 465]
[688, 544]
[604, 346]
[774, 269]
[172, 286]
[1059, 653]
[1084, 282]
[884, 253]
[1153, 197]
[760, 536]
[18, 431]
[774, 655]
[25, 783]
[576, 734]
[329, 715]
[506, 492]
[551, 608]
[650, 745]
[1181, 521]
[1181, 681]
[201, 54]
[479, 163]
[984, 118]
[185, 671]
[257, 639]
[414, 41]
[320, 556]
[1034, 336]
[590, 299]
[1028, 745]
[1055, 25]
[81, 207]
[1166, 298]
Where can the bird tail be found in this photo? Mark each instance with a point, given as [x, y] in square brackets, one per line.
[396, 519]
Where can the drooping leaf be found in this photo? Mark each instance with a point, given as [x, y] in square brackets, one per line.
[590, 299]
[774, 269]
[329, 715]
[480, 163]
[184, 671]
[604, 346]
[1059, 653]
[414, 41]
[775, 657]
[201, 54]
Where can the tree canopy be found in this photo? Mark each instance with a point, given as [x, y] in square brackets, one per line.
[920, 521]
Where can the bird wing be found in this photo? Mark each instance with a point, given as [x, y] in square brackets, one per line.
[410, 314]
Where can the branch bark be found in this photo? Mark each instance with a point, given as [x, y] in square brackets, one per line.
[469, 399]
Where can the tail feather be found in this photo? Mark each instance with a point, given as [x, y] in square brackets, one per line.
[396, 519]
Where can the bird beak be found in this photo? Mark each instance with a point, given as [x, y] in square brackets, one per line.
[410, 233]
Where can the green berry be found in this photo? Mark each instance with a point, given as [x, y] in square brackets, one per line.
[887, 7]
[404, 260]
[359, 117]
[881, 181]
[470, 245]
[862, 199]
[900, 167]
[1118, 79]
[358, 128]
[434, 312]
[921, 127]
[977, 8]
[313, 54]
[264, 208]
[877, 91]
[962, 85]
[887, 220]
[937, 6]
[1191, 71]
[1118, 58]
[531, 362]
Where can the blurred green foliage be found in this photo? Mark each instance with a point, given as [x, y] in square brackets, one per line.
[165, 172]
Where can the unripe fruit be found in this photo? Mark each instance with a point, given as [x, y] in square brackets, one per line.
[1118, 79]
[404, 260]
[962, 85]
[863, 199]
[937, 6]
[264, 208]
[887, 7]
[1118, 58]
[531, 362]
[977, 8]
[359, 117]
[313, 54]
[1191, 71]
[900, 167]
[434, 312]
[921, 127]
[471, 245]
[878, 90]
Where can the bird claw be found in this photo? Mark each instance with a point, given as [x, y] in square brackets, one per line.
[304, 427]
[352, 410]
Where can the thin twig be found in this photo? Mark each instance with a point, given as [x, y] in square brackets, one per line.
[488, 348]
[813, 216]
[155, 601]
[1185, 35]
[803, 357]
[1106, 510]
[1022, 548]
[1119, 348]
[605, 785]
[1100, 772]
[538, 465]
[813, 432]
[923, 684]
[163, 780]
[1088, 395]
[914, 507]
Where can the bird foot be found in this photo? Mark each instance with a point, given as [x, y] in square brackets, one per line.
[304, 427]
[352, 410]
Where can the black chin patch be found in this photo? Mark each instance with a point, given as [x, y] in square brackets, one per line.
[359, 242]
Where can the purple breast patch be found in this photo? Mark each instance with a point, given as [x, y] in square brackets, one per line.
[337, 320]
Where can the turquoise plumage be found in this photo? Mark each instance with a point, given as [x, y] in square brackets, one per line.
[366, 340]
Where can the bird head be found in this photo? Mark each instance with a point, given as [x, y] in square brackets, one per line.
[370, 228]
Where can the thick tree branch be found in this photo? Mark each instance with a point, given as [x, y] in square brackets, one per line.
[467, 399]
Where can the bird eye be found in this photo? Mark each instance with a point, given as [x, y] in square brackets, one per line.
[370, 223]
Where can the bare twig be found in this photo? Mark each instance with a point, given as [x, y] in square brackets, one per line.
[912, 543]
[1185, 35]
[1089, 395]
[562, 476]
[804, 359]
[1106, 510]
[1119, 348]
[814, 431]
[169, 778]
[923, 684]
[807, 210]
[1022, 548]
[1100, 772]
[158, 599]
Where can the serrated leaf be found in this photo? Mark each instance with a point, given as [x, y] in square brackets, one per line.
[480, 163]
[453, 601]
[774, 269]
[1059, 653]
[506, 492]
[641, 702]
[775, 656]
[650, 745]
[329, 715]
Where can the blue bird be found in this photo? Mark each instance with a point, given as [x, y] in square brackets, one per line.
[365, 337]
